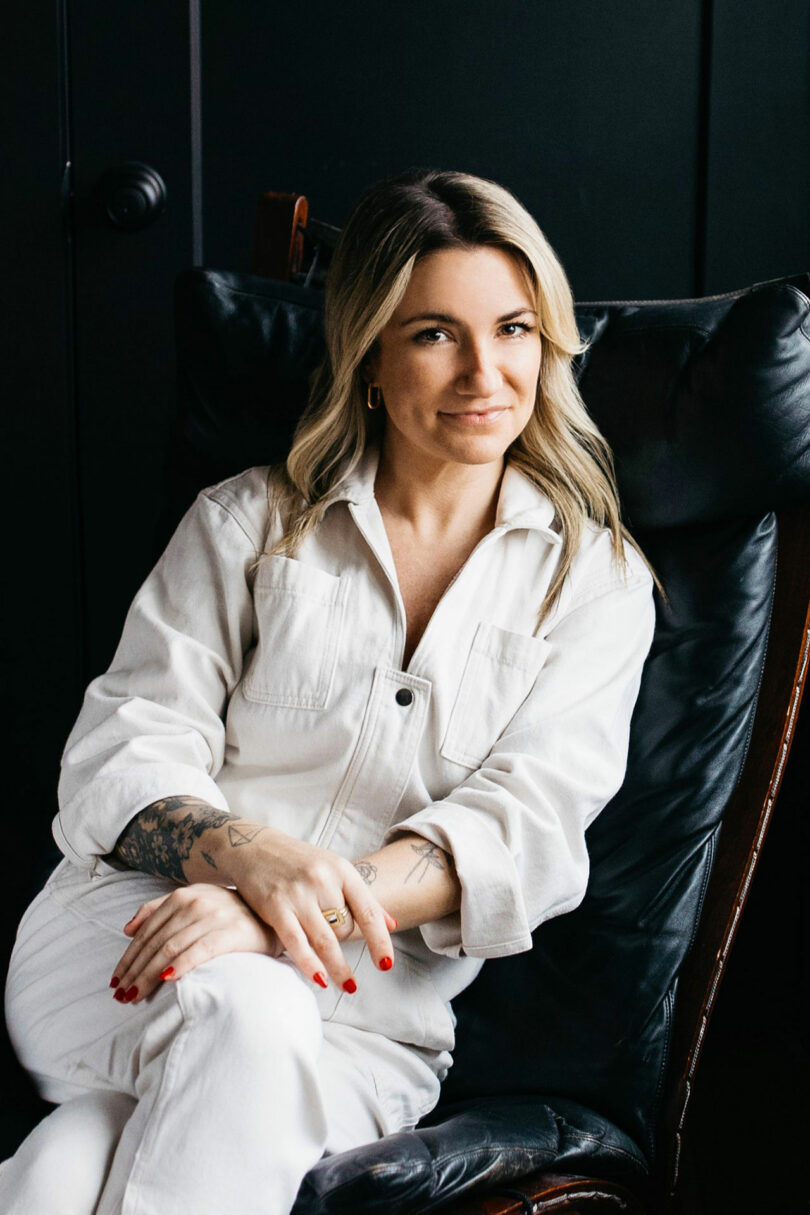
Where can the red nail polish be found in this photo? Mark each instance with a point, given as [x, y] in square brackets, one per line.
[120, 996]
[350, 986]
[320, 978]
[130, 994]
[386, 963]
[396, 923]
[167, 973]
[114, 981]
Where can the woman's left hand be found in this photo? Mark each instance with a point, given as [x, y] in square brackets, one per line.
[178, 931]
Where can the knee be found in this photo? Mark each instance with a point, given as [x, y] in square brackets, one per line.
[248, 998]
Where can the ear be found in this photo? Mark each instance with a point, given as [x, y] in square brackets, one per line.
[368, 365]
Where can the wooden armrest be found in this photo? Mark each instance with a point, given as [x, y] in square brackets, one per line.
[548, 1194]
[278, 235]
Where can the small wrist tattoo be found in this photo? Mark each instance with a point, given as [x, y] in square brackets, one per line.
[367, 871]
[239, 836]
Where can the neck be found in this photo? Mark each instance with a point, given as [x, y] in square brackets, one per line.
[439, 498]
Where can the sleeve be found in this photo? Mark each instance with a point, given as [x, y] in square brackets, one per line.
[516, 826]
[153, 724]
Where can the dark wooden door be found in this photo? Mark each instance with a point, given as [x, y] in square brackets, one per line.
[131, 101]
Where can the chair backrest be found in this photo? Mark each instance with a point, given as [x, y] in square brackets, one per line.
[707, 406]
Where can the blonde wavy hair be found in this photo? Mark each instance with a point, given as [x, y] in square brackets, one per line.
[394, 224]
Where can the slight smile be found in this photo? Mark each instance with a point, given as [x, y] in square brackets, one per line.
[476, 417]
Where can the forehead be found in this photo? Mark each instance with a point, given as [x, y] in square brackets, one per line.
[481, 278]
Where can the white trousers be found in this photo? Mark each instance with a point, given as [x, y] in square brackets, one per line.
[214, 1095]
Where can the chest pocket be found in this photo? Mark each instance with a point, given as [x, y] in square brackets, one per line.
[299, 621]
[499, 674]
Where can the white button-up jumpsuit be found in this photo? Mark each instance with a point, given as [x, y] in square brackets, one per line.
[275, 688]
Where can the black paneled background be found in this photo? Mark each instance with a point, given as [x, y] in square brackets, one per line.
[662, 146]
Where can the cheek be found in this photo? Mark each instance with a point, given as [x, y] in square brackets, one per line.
[416, 368]
[535, 358]
[533, 371]
[412, 383]
[529, 374]
[529, 381]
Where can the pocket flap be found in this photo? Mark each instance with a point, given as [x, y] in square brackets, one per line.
[299, 621]
[291, 577]
[499, 674]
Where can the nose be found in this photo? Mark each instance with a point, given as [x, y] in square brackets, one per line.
[480, 375]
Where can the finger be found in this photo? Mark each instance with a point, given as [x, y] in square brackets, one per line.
[177, 909]
[142, 934]
[210, 944]
[370, 919]
[143, 913]
[343, 931]
[226, 923]
[297, 944]
[156, 943]
[326, 945]
[140, 982]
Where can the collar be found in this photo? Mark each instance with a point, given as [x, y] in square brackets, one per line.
[520, 503]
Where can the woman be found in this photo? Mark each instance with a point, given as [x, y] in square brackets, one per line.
[361, 715]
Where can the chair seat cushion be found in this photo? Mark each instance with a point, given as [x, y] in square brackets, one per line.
[490, 1142]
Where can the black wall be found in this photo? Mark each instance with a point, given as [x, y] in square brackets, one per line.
[662, 146]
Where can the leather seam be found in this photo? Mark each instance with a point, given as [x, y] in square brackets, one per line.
[800, 294]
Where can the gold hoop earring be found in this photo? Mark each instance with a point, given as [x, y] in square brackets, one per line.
[374, 396]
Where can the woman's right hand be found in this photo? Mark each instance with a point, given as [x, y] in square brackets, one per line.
[289, 884]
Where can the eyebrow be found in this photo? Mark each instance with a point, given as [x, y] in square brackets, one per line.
[446, 319]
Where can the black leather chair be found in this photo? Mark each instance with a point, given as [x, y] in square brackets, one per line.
[574, 1063]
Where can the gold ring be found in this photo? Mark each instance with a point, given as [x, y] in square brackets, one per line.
[336, 916]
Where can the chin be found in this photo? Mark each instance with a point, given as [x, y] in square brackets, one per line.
[479, 451]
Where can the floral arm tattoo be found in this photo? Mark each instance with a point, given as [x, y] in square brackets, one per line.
[160, 838]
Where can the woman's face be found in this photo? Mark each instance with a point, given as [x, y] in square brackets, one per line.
[459, 360]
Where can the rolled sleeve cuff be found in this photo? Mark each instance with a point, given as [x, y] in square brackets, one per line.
[491, 921]
[87, 827]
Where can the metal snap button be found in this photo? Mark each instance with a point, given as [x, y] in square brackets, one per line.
[404, 696]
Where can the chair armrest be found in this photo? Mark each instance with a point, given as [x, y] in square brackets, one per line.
[550, 1193]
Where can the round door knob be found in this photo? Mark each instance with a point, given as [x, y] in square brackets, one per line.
[133, 195]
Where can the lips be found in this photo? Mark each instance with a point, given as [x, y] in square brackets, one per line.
[473, 417]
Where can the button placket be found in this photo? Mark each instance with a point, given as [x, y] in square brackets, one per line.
[383, 757]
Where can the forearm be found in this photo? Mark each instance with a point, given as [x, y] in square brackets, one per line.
[186, 839]
[286, 882]
[413, 879]
[189, 840]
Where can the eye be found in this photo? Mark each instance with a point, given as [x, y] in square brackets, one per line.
[516, 328]
[430, 337]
